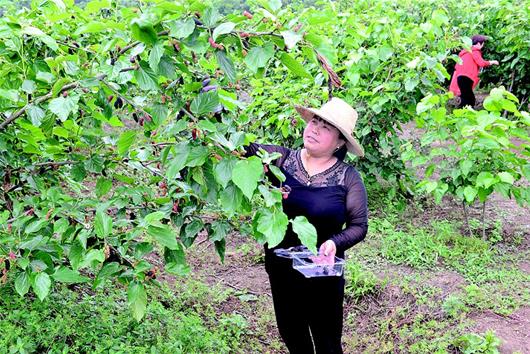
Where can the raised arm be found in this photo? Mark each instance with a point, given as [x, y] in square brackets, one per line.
[253, 149]
[357, 210]
[477, 57]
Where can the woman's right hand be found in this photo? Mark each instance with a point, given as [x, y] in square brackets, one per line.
[494, 62]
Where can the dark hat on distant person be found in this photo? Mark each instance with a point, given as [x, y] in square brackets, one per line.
[478, 38]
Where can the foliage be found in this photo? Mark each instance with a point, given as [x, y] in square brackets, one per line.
[474, 343]
[360, 282]
[115, 149]
[78, 321]
[493, 161]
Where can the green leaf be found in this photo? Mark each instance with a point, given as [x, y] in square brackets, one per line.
[223, 28]
[143, 30]
[137, 299]
[22, 284]
[258, 57]
[275, 5]
[36, 226]
[223, 171]
[272, 224]
[182, 28]
[205, 102]
[506, 177]
[69, 276]
[164, 235]
[246, 175]
[306, 232]
[159, 113]
[103, 186]
[106, 271]
[470, 193]
[226, 65]
[178, 161]
[31, 244]
[486, 180]
[231, 198]
[125, 141]
[146, 78]
[41, 285]
[151, 218]
[10, 95]
[102, 224]
[465, 166]
[62, 107]
[294, 66]
[28, 86]
[197, 156]
[291, 38]
[219, 230]
[154, 56]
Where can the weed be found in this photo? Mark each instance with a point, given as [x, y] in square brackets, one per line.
[488, 343]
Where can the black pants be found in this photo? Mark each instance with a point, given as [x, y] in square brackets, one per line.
[467, 97]
[309, 311]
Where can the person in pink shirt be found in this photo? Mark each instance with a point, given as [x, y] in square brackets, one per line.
[465, 77]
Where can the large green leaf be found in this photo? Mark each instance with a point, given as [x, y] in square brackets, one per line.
[273, 224]
[258, 57]
[223, 170]
[36, 114]
[62, 106]
[246, 175]
[181, 28]
[103, 186]
[146, 78]
[226, 65]
[143, 30]
[178, 161]
[22, 283]
[154, 56]
[306, 232]
[294, 66]
[231, 198]
[291, 38]
[205, 102]
[164, 235]
[66, 275]
[102, 224]
[42, 285]
[223, 28]
[137, 299]
[125, 141]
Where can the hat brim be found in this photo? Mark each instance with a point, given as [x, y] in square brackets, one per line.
[351, 143]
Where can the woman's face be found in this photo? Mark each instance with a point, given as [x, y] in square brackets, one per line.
[321, 138]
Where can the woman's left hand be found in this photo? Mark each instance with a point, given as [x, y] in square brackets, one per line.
[326, 253]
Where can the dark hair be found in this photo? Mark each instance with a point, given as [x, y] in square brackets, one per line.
[478, 38]
[341, 152]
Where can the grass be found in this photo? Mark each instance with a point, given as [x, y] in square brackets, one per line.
[100, 322]
[395, 301]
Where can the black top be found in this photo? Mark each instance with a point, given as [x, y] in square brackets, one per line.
[334, 201]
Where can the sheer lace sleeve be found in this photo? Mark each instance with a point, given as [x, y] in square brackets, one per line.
[253, 148]
[357, 210]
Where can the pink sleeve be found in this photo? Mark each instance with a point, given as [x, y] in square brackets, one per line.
[477, 57]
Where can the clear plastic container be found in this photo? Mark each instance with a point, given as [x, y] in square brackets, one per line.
[292, 252]
[310, 269]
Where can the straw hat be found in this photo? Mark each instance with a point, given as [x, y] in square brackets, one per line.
[339, 114]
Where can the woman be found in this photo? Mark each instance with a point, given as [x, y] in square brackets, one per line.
[465, 77]
[331, 194]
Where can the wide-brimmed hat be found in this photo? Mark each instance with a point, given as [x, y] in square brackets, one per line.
[339, 114]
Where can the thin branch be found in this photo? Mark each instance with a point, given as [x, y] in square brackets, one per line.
[35, 102]
[134, 44]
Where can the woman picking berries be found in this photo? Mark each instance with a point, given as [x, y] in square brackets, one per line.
[465, 77]
[330, 194]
